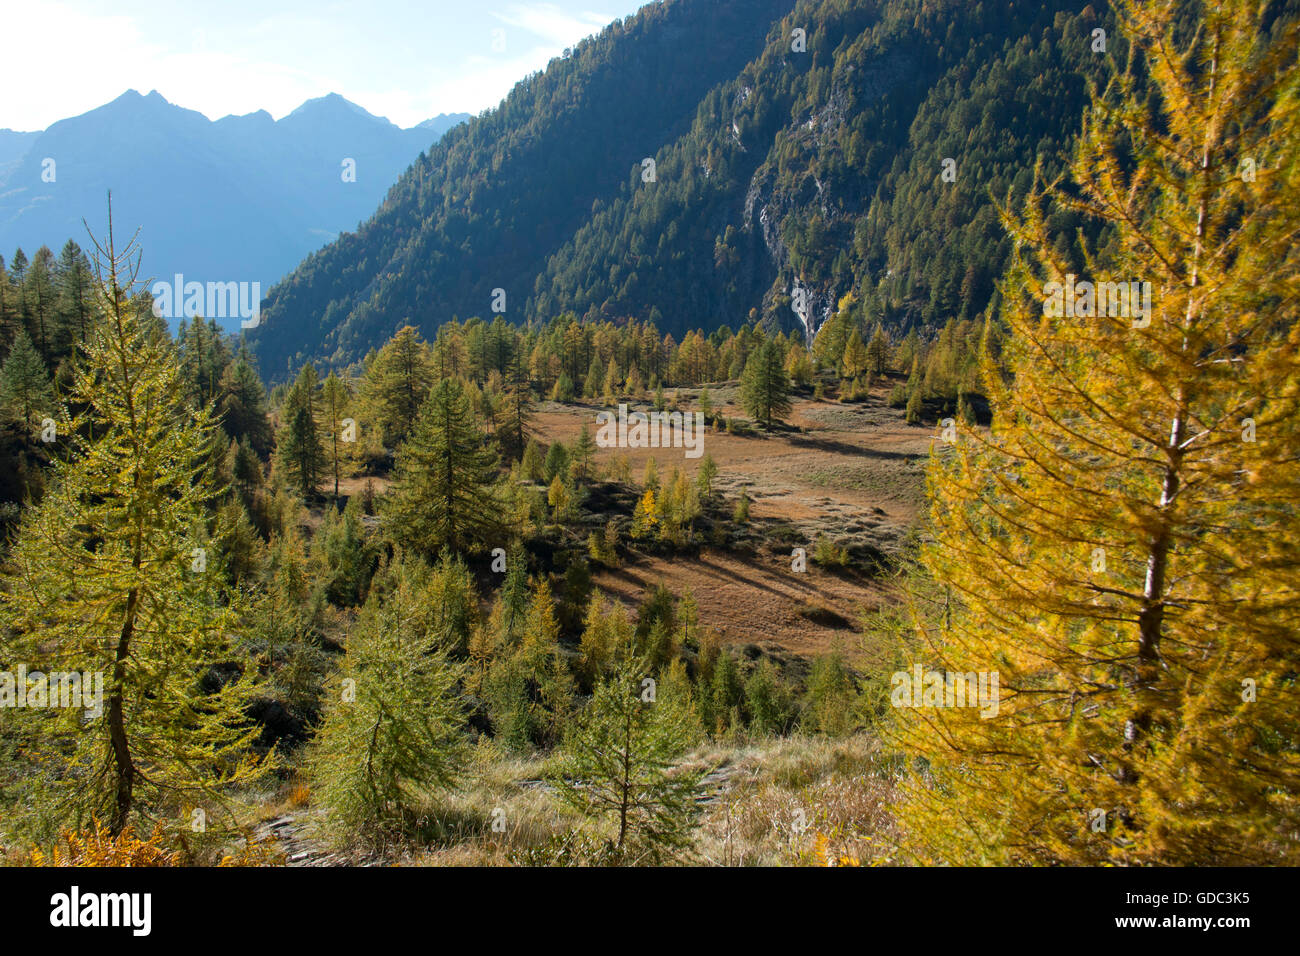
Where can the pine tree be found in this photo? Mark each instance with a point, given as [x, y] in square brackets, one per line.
[444, 480]
[584, 450]
[1121, 550]
[300, 447]
[243, 406]
[111, 575]
[618, 762]
[764, 387]
[25, 388]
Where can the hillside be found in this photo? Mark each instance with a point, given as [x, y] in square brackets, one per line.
[772, 168]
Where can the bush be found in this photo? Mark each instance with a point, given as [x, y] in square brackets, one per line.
[832, 702]
[827, 554]
[97, 847]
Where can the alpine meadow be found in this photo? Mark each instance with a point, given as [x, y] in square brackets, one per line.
[776, 433]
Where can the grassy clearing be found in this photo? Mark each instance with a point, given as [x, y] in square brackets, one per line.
[794, 801]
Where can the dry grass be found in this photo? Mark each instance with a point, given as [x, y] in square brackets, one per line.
[503, 808]
[798, 801]
[786, 794]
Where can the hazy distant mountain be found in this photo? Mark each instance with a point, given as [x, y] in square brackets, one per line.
[443, 122]
[241, 199]
[13, 146]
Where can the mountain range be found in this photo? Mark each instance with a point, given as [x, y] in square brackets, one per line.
[239, 199]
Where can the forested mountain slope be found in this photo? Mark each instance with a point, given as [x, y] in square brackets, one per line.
[781, 159]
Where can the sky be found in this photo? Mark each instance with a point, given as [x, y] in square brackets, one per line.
[403, 59]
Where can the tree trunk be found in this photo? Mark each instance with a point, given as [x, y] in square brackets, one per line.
[117, 721]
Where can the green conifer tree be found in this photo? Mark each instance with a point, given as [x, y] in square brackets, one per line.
[618, 762]
[444, 482]
[764, 386]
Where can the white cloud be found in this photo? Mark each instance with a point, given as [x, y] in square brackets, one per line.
[404, 59]
[546, 20]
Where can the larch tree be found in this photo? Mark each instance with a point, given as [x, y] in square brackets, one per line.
[75, 295]
[856, 359]
[110, 575]
[392, 732]
[513, 432]
[877, 352]
[18, 276]
[243, 406]
[1122, 548]
[618, 761]
[40, 292]
[335, 397]
[584, 453]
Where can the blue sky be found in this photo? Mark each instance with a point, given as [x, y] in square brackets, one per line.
[403, 59]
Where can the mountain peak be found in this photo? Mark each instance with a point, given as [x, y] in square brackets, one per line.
[332, 104]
